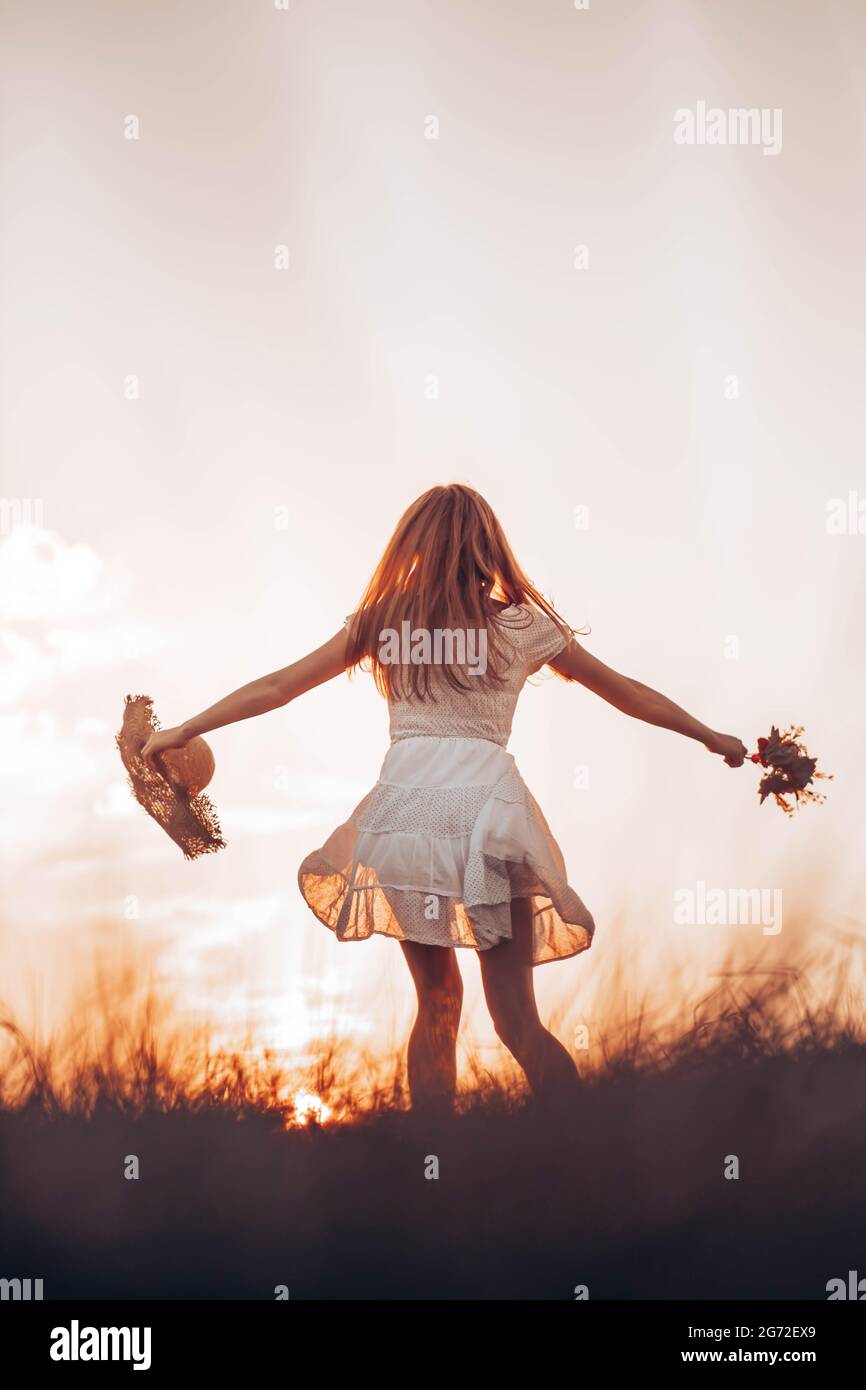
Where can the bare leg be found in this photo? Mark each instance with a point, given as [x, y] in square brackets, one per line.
[506, 972]
[432, 1052]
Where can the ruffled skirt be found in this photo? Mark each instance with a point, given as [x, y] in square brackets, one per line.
[436, 852]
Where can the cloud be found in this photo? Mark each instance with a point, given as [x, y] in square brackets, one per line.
[116, 803]
[218, 921]
[266, 820]
[36, 753]
[42, 579]
[24, 665]
[70, 604]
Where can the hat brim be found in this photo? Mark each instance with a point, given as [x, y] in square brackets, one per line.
[191, 822]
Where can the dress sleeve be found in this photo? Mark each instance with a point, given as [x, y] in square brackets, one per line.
[544, 640]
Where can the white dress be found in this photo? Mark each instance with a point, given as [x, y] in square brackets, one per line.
[451, 833]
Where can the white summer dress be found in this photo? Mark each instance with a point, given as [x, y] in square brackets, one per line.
[450, 833]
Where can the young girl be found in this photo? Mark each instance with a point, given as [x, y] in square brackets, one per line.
[449, 848]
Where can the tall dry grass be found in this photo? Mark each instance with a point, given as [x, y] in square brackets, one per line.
[123, 1053]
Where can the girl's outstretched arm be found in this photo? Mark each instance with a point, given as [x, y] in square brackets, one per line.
[641, 702]
[267, 693]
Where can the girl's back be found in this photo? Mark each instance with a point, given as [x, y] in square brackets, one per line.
[529, 638]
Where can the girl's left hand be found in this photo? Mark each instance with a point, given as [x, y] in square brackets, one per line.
[732, 749]
[159, 742]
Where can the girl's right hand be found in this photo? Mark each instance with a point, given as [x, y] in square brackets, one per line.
[732, 749]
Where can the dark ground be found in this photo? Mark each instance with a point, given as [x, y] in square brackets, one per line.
[626, 1195]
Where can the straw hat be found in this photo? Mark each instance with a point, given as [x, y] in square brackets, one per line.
[176, 800]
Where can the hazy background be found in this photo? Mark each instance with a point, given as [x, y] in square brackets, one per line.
[215, 449]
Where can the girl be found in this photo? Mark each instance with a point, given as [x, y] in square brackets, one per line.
[449, 849]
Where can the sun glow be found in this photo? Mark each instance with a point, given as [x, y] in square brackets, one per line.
[309, 1108]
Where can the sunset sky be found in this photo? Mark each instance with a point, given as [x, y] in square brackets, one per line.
[214, 450]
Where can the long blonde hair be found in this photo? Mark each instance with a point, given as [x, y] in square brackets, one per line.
[444, 568]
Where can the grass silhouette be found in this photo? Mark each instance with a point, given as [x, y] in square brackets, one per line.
[318, 1178]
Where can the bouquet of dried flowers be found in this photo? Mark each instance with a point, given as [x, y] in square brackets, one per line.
[790, 771]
